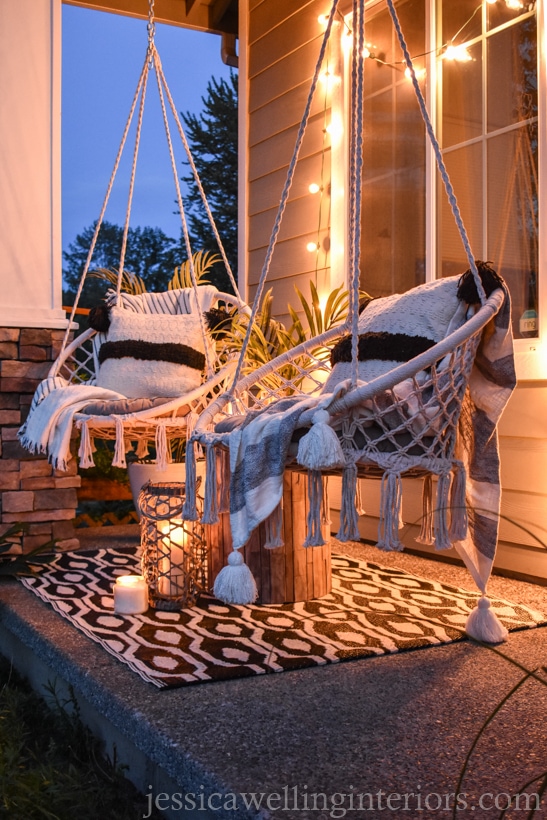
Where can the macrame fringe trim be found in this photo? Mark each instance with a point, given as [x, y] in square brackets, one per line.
[458, 507]
[235, 583]
[142, 450]
[189, 508]
[314, 536]
[320, 447]
[274, 529]
[162, 450]
[484, 625]
[390, 513]
[425, 535]
[441, 512]
[119, 447]
[349, 520]
[210, 504]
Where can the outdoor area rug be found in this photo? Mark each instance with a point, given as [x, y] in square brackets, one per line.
[372, 610]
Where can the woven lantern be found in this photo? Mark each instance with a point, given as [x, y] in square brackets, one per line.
[174, 552]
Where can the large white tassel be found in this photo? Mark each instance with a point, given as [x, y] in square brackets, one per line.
[119, 449]
[349, 520]
[274, 529]
[320, 447]
[235, 583]
[189, 508]
[458, 506]
[85, 452]
[440, 516]
[314, 537]
[484, 625]
[162, 451]
[210, 503]
[390, 513]
[426, 531]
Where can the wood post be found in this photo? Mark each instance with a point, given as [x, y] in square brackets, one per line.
[285, 574]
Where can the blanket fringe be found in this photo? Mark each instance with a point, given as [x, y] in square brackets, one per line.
[349, 521]
[484, 625]
[85, 451]
[235, 583]
[162, 450]
[391, 495]
[440, 518]
[189, 508]
[274, 529]
[210, 504]
[425, 535]
[320, 447]
[314, 537]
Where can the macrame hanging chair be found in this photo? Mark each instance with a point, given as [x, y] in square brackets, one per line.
[337, 405]
[146, 369]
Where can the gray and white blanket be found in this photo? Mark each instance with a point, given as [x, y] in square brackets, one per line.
[259, 448]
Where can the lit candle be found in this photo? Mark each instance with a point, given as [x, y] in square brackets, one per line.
[130, 595]
[171, 581]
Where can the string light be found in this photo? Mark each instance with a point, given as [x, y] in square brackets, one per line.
[458, 53]
[314, 188]
[419, 72]
[313, 247]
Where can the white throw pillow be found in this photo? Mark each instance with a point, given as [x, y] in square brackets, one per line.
[149, 355]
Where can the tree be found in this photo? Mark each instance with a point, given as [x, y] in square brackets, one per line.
[150, 254]
[212, 137]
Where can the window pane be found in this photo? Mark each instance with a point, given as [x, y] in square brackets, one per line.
[462, 98]
[461, 19]
[512, 75]
[464, 167]
[513, 221]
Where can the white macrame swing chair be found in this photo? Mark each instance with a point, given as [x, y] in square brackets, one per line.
[429, 415]
[162, 366]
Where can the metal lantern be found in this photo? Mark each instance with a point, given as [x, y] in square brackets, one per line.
[174, 552]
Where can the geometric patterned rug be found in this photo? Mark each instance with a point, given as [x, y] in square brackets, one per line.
[371, 610]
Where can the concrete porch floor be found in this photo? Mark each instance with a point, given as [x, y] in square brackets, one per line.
[386, 727]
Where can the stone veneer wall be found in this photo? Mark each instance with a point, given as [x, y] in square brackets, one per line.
[30, 490]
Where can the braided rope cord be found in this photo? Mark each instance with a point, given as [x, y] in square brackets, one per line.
[284, 197]
[159, 76]
[438, 155]
[356, 162]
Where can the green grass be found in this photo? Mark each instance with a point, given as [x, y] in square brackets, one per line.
[51, 766]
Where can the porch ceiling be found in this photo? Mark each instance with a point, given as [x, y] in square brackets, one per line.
[215, 16]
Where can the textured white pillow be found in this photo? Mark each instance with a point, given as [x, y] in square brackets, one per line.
[426, 313]
[149, 355]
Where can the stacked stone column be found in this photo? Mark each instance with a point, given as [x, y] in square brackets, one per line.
[31, 492]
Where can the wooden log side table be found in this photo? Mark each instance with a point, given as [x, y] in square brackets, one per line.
[285, 574]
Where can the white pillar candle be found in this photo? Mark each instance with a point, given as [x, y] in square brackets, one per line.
[171, 583]
[130, 595]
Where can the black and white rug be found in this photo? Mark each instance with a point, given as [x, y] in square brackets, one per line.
[372, 610]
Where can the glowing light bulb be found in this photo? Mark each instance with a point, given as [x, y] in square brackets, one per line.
[312, 247]
[491, 2]
[514, 5]
[329, 79]
[458, 53]
[366, 53]
[323, 19]
[314, 188]
[419, 72]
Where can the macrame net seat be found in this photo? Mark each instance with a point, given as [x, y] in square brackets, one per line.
[433, 416]
[109, 383]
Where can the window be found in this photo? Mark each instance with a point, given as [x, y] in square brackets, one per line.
[479, 66]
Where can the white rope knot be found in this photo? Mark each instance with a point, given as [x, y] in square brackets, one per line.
[484, 603]
[235, 559]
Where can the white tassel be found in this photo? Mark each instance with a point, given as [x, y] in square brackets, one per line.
[320, 447]
[484, 625]
[426, 531]
[189, 508]
[210, 503]
[349, 521]
[390, 513]
[274, 529]
[85, 452]
[162, 451]
[440, 516]
[314, 537]
[235, 583]
[119, 449]
[458, 507]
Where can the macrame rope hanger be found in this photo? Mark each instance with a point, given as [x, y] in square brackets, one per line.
[152, 61]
